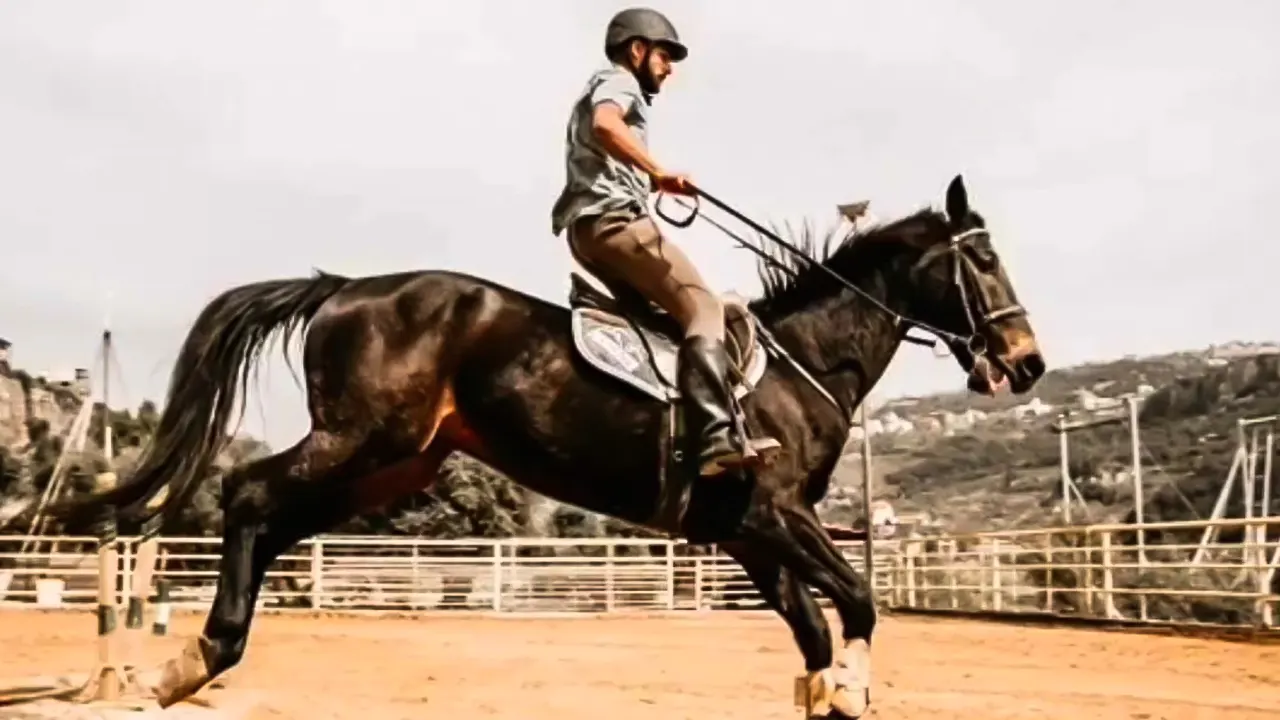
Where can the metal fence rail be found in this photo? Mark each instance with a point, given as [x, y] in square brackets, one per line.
[1180, 573]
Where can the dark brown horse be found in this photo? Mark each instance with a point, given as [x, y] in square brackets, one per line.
[577, 404]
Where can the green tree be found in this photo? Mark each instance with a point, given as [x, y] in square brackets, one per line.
[469, 499]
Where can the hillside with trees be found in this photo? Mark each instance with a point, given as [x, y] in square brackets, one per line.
[1005, 472]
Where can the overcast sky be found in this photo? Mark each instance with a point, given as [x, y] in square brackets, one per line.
[155, 153]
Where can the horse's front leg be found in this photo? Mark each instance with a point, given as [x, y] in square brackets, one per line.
[822, 691]
[816, 560]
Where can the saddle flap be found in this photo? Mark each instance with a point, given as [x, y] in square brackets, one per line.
[640, 358]
[648, 359]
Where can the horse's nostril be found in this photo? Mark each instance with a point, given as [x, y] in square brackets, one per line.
[1033, 365]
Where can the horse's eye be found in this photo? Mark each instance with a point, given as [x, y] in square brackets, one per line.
[985, 258]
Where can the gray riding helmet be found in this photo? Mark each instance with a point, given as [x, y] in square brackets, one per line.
[645, 24]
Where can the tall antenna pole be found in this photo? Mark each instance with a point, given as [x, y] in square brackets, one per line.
[1064, 467]
[868, 552]
[1139, 501]
[106, 397]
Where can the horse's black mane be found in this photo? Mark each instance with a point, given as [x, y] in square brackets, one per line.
[790, 283]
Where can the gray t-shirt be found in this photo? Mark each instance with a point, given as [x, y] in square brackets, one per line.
[594, 181]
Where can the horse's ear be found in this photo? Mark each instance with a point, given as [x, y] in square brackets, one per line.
[854, 211]
[957, 200]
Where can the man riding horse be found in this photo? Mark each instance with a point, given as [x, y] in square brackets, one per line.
[403, 370]
[604, 209]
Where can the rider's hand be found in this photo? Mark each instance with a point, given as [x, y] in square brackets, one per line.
[673, 183]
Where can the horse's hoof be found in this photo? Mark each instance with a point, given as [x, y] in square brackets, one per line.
[183, 675]
[821, 695]
[847, 704]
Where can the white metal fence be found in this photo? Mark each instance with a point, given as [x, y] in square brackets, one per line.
[1221, 573]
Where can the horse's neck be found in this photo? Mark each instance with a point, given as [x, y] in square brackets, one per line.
[846, 341]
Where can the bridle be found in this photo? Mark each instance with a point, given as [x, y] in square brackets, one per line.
[978, 305]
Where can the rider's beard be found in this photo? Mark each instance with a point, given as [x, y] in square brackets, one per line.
[644, 75]
[647, 83]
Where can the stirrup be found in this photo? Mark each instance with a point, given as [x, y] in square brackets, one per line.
[766, 448]
[756, 451]
[747, 452]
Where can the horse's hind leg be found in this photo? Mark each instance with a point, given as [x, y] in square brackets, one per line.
[251, 540]
[269, 505]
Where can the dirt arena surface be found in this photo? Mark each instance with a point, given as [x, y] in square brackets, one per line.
[697, 667]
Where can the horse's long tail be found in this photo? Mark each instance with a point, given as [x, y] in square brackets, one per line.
[212, 369]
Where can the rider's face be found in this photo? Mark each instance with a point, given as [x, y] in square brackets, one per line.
[659, 65]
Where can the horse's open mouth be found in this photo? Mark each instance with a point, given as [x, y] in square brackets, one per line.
[987, 377]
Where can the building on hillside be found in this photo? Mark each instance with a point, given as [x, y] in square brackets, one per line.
[1234, 350]
[1035, 408]
[4, 352]
[82, 386]
[58, 379]
[884, 521]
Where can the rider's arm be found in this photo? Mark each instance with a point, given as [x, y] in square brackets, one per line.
[617, 139]
[611, 100]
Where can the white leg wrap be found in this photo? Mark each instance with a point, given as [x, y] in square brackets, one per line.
[853, 667]
[843, 689]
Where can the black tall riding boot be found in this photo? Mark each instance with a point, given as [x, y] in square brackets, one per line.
[709, 419]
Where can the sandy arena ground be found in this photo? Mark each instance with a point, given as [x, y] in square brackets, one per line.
[715, 666]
